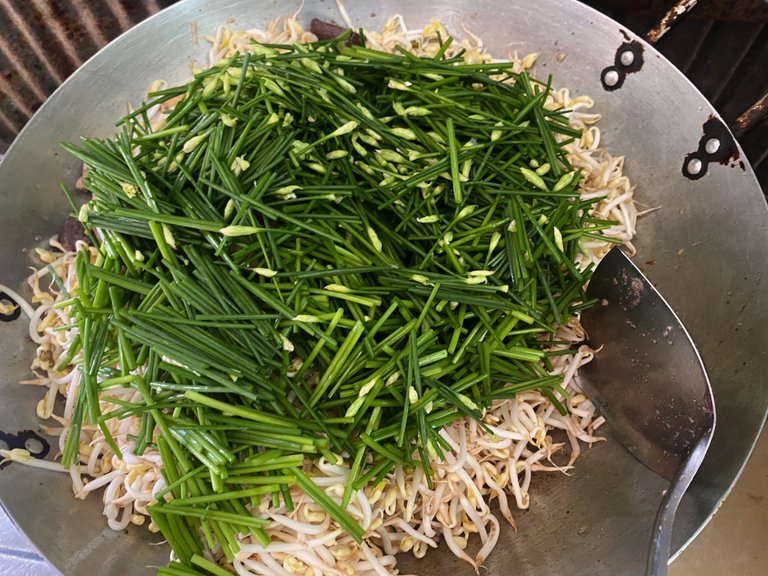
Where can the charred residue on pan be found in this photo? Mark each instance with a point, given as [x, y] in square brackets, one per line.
[29, 440]
[629, 58]
[328, 31]
[715, 145]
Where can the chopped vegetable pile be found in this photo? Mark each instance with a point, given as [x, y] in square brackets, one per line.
[322, 250]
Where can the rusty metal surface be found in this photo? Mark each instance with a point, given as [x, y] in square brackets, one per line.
[755, 113]
[732, 10]
[44, 41]
[680, 9]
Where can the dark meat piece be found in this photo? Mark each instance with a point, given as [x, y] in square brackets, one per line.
[327, 31]
[72, 231]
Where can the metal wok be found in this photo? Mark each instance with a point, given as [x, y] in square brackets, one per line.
[706, 249]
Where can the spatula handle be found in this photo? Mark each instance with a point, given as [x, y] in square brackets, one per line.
[661, 543]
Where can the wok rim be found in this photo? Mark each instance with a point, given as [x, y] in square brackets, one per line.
[103, 53]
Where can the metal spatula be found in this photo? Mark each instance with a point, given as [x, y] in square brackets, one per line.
[649, 383]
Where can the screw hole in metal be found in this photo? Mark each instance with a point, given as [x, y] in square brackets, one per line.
[6, 300]
[712, 146]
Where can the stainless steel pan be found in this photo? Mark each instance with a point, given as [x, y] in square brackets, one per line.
[706, 249]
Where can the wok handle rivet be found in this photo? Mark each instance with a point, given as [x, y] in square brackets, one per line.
[712, 145]
[694, 166]
[34, 446]
[611, 78]
[627, 58]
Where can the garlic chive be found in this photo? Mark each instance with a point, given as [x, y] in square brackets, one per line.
[239, 165]
[417, 111]
[366, 138]
[345, 85]
[129, 189]
[82, 214]
[354, 408]
[374, 238]
[564, 181]
[466, 211]
[364, 109]
[533, 178]
[357, 146]
[494, 242]
[266, 272]
[397, 85]
[367, 388]
[273, 87]
[406, 133]
[496, 134]
[558, 239]
[467, 402]
[234, 231]
[338, 288]
[317, 167]
[311, 65]
[229, 209]
[168, 235]
[391, 156]
[476, 280]
[344, 129]
[191, 144]
[287, 191]
[306, 318]
[246, 246]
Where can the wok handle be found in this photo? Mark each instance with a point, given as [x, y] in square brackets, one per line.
[661, 542]
[672, 17]
[753, 115]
